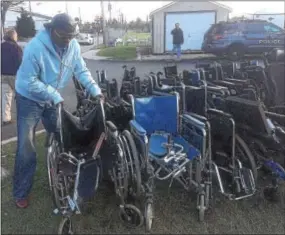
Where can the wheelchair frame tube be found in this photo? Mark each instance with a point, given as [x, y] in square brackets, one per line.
[233, 143]
[60, 128]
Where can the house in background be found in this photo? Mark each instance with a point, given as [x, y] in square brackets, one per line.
[195, 18]
[12, 15]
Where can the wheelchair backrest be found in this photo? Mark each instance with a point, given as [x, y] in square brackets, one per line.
[194, 131]
[276, 72]
[249, 113]
[157, 113]
[170, 71]
[195, 100]
[192, 77]
[112, 89]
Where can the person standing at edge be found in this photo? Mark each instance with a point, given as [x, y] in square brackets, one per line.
[50, 59]
[178, 39]
[11, 54]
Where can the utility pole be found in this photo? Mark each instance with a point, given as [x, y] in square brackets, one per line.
[110, 11]
[79, 14]
[30, 7]
[103, 23]
[66, 7]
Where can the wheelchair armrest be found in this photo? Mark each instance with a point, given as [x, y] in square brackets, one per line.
[159, 93]
[219, 89]
[197, 116]
[238, 81]
[111, 126]
[137, 128]
[218, 112]
[280, 118]
[193, 119]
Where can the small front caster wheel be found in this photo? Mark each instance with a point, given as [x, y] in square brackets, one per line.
[131, 216]
[201, 208]
[148, 216]
[65, 227]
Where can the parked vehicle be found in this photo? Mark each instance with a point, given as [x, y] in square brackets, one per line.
[83, 38]
[241, 37]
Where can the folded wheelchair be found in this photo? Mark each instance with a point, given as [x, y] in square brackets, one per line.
[176, 145]
[128, 171]
[73, 161]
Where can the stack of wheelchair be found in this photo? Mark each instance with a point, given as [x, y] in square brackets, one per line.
[224, 116]
[219, 126]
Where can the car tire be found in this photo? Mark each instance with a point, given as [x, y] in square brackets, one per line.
[236, 51]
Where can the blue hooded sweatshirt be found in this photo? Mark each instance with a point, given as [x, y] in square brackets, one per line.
[43, 72]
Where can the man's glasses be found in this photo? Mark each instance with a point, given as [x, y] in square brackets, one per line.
[64, 36]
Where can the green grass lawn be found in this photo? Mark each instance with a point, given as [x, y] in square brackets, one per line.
[138, 36]
[119, 52]
[174, 210]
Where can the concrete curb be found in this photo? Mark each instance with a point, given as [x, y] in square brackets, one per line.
[152, 60]
[91, 55]
[13, 139]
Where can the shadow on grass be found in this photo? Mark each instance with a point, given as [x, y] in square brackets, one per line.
[174, 211]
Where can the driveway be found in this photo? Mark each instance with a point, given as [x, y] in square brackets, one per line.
[114, 70]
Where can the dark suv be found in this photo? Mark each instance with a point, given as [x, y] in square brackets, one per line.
[240, 37]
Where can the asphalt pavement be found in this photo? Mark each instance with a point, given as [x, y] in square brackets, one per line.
[114, 70]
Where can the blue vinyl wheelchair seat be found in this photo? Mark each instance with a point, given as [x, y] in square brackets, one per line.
[157, 117]
[157, 148]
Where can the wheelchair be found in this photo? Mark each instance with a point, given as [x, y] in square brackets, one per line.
[235, 179]
[263, 133]
[265, 137]
[73, 161]
[176, 145]
[122, 164]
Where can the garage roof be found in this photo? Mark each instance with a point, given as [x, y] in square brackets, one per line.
[172, 3]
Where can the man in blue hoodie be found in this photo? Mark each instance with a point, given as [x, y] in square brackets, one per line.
[50, 59]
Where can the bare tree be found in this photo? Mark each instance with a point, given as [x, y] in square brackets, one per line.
[5, 5]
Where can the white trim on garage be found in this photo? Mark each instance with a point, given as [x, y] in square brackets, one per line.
[177, 2]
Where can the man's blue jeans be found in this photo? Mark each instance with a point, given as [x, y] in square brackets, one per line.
[177, 49]
[29, 113]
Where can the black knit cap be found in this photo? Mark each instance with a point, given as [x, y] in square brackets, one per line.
[63, 22]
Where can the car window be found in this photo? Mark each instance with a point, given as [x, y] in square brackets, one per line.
[230, 28]
[255, 28]
[271, 28]
[218, 29]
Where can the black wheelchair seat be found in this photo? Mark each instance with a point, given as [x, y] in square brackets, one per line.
[84, 123]
[80, 132]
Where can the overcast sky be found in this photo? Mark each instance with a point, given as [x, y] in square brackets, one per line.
[134, 9]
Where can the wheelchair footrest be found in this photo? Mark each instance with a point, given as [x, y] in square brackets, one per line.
[247, 181]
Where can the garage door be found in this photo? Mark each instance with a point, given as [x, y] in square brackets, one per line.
[194, 26]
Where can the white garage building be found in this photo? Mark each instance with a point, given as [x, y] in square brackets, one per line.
[195, 18]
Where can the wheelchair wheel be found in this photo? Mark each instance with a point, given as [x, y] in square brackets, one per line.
[131, 216]
[134, 159]
[244, 154]
[56, 181]
[65, 227]
[148, 216]
[122, 170]
[282, 194]
[201, 207]
[276, 193]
